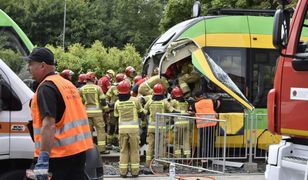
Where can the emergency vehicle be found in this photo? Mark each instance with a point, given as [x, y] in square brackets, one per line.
[288, 100]
[16, 145]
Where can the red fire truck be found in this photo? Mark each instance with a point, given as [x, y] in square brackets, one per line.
[288, 101]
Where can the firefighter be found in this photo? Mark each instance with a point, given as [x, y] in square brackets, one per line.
[81, 80]
[158, 104]
[130, 73]
[137, 82]
[146, 87]
[126, 109]
[94, 101]
[67, 74]
[181, 129]
[188, 76]
[112, 97]
[106, 81]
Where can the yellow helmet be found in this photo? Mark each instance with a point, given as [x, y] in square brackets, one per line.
[110, 71]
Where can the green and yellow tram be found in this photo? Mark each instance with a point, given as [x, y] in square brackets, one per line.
[241, 45]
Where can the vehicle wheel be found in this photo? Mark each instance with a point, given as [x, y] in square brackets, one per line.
[13, 175]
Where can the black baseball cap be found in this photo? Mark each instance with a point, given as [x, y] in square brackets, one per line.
[41, 54]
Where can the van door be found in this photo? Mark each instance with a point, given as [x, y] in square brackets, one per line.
[4, 119]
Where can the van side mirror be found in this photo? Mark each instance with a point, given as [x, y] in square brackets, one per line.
[281, 28]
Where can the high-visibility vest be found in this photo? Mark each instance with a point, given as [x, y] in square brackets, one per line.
[91, 97]
[128, 115]
[205, 109]
[73, 133]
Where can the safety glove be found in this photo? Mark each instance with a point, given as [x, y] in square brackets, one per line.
[41, 168]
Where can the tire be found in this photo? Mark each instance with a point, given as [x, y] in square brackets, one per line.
[13, 175]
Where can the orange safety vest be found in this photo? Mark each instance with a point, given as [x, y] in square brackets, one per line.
[205, 109]
[73, 133]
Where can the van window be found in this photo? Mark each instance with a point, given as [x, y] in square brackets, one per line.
[12, 50]
[9, 101]
[232, 61]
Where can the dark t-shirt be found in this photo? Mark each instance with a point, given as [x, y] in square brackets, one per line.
[50, 101]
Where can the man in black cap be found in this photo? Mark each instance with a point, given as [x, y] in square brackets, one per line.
[61, 131]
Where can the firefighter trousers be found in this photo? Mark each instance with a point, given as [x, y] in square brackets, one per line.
[151, 145]
[99, 124]
[129, 153]
[113, 130]
[181, 139]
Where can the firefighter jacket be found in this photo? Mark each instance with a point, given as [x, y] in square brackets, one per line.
[92, 97]
[112, 94]
[205, 109]
[181, 107]
[148, 85]
[154, 107]
[72, 134]
[127, 111]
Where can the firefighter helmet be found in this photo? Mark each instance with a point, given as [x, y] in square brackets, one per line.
[82, 78]
[130, 71]
[91, 76]
[120, 77]
[137, 78]
[158, 89]
[110, 71]
[124, 87]
[176, 92]
[67, 74]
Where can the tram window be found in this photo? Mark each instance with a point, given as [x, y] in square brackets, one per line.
[264, 63]
[232, 61]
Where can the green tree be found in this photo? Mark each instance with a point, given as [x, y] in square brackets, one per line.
[97, 58]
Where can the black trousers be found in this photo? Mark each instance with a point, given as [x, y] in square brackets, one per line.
[66, 168]
[207, 138]
[71, 167]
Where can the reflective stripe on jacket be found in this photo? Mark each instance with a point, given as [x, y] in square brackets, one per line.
[72, 134]
[183, 108]
[91, 95]
[127, 111]
[205, 109]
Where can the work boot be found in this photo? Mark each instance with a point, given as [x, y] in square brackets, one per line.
[135, 175]
[105, 152]
[123, 175]
[109, 147]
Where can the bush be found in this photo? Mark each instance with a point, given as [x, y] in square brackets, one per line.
[97, 58]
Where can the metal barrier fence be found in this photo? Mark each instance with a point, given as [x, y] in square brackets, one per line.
[190, 142]
[237, 136]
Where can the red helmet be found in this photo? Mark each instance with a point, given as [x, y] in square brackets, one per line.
[137, 78]
[159, 89]
[82, 78]
[120, 77]
[67, 74]
[130, 71]
[124, 87]
[176, 92]
[91, 76]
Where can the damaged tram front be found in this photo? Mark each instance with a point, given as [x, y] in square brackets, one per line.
[230, 58]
